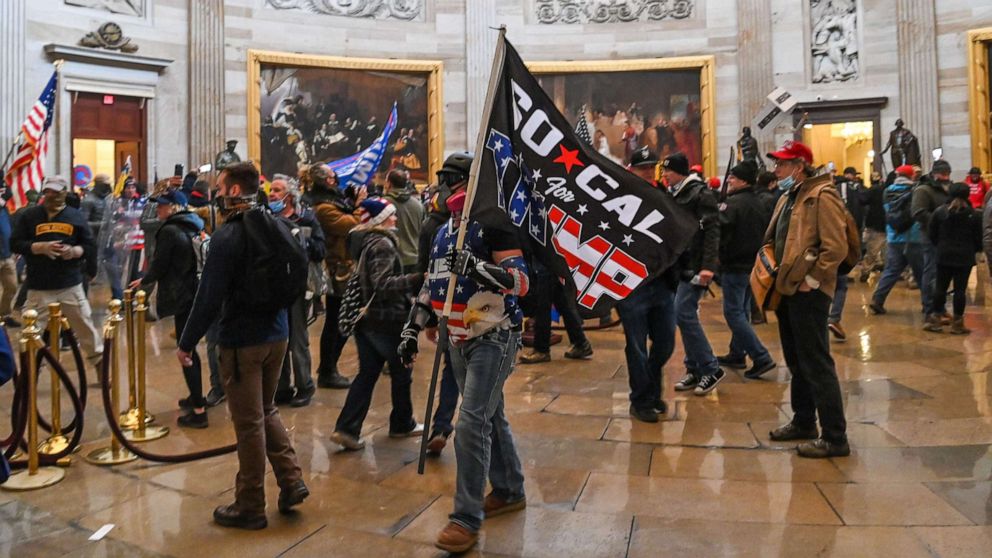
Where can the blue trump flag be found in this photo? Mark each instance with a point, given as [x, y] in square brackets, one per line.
[357, 170]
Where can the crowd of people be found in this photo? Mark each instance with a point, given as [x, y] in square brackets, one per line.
[251, 270]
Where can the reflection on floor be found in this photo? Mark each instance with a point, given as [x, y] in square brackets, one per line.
[705, 482]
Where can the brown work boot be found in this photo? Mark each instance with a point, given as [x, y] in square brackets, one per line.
[534, 357]
[455, 539]
[945, 318]
[933, 324]
[232, 516]
[957, 326]
[494, 505]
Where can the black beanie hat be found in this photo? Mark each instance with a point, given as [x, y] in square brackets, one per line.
[746, 171]
[959, 190]
[677, 163]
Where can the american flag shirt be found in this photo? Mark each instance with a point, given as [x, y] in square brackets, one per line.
[471, 310]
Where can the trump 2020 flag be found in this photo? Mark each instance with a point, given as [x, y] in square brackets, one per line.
[357, 170]
[595, 224]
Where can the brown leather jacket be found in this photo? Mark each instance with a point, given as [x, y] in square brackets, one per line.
[336, 225]
[816, 243]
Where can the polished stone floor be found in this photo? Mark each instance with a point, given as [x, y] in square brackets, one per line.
[705, 482]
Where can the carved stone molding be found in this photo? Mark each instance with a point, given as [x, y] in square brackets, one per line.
[109, 36]
[835, 41]
[408, 10]
[136, 8]
[610, 11]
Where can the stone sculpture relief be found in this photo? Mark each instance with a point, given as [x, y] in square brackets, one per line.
[109, 36]
[125, 7]
[834, 40]
[410, 10]
[610, 11]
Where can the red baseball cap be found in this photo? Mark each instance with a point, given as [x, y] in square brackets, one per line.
[906, 170]
[793, 150]
[697, 168]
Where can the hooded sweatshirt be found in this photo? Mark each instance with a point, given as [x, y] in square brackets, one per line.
[409, 218]
[900, 186]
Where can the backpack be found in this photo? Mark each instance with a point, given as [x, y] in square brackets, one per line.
[277, 270]
[352, 308]
[898, 213]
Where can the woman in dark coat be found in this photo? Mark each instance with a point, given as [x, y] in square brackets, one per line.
[956, 232]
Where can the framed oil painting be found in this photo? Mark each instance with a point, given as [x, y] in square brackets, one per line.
[665, 103]
[304, 109]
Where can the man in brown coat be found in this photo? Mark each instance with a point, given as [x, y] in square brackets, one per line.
[808, 233]
[337, 216]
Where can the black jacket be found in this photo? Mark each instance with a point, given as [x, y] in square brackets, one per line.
[704, 251]
[850, 193]
[872, 199]
[432, 222]
[957, 235]
[68, 227]
[173, 265]
[743, 221]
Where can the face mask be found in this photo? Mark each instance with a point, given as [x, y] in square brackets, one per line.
[277, 206]
[456, 202]
[55, 203]
[787, 183]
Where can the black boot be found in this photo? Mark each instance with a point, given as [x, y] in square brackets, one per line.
[333, 380]
[231, 516]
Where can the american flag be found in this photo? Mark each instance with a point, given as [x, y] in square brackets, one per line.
[582, 127]
[28, 168]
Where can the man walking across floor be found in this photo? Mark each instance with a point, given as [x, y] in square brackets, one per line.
[697, 267]
[409, 216]
[246, 254]
[808, 234]
[904, 241]
[849, 188]
[930, 194]
[743, 220]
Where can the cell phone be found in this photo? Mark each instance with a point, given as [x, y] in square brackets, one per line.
[179, 170]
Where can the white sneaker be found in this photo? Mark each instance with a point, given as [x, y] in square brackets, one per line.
[417, 431]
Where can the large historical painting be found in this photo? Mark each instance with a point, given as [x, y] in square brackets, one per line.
[320, 109]
[661, 108]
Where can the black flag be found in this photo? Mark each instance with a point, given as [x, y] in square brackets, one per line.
[592, 222]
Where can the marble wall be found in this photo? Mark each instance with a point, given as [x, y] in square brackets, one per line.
[447, 30]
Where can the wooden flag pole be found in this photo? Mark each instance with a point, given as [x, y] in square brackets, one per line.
[473, 178]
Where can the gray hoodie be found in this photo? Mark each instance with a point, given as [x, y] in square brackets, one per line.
[409, 218]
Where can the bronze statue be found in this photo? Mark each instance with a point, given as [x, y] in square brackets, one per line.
[109, 36]
[747, 149]
[904, 145]
[227, 157]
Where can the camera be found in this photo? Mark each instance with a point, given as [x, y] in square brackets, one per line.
[178, 170]
[819, 98]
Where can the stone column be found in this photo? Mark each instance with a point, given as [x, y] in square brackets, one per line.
[480, 43]
[754, 56]
[206, 80]
[12, 41]
[919, 105]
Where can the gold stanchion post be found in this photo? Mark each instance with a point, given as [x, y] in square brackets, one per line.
[56, 442]
[144, 432]
[129, 418]
[113, 454]
[34, 477]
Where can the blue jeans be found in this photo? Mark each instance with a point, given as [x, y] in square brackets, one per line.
[898, 255]
[648, 313]
[483, 441]
[699, 357]
[447, 400]
[929, 284]
[840, 297]
[376, 348]
[736, 310]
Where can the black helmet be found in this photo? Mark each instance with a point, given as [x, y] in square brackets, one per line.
[643, 157]
[458, 163]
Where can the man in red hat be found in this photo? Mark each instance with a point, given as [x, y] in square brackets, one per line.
[808, 234]
[904, 240]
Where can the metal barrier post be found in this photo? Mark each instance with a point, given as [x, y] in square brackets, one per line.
[144, 432]
[113, 454]
[56, 442]
[129, 418]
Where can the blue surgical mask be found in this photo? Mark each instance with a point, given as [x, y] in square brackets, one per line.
[277, 206]
[786, 183]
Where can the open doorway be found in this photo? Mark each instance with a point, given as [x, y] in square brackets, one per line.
[106, 131]
[844, 144]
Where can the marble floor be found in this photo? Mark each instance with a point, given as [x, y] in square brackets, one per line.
[705, 482]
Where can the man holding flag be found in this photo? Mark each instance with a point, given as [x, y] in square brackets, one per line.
[600, 228]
